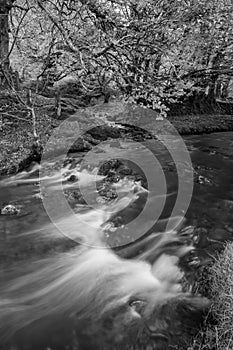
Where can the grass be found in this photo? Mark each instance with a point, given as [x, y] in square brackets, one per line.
[217, 331]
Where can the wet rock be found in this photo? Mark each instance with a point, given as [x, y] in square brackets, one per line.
[75, 197]
[108, 194]
[194, 262]
[72, 178]
[91, 140]
[10, 210]
[191, 260]
[200, 237]
[111, 165]
[115, 178]
[80, 145]
[202, 180]
[111, 174]
[102, 133]
[125, 171]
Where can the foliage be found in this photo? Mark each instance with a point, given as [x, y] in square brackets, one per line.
[155, 53]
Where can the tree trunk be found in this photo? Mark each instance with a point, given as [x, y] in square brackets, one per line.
[214, 63]
[5, 7]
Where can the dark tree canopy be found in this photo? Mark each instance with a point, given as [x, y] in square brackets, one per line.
[157, 53]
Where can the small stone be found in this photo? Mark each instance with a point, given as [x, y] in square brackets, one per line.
[101, 200]
[10, 210]
[72, 178]
[194, 262]
[203, 180]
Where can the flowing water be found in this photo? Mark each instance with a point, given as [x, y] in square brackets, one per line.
[210, 209]
[209, 212]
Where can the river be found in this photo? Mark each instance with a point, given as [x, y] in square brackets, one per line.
[206, 202]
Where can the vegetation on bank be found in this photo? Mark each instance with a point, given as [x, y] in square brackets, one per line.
[216, 283]
[173, 57]
[222, 294]
[18, 131]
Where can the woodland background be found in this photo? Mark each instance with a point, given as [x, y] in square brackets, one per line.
[174, 56]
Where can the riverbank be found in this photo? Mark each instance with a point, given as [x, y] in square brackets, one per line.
[217, 332]
[17, 133]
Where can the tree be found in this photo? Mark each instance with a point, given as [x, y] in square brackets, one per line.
[5, 7]
[157, 53]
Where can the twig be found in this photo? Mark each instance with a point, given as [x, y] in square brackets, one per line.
[31, 110]
[14, 116]
[69, 43]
